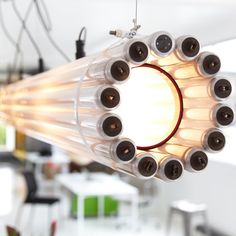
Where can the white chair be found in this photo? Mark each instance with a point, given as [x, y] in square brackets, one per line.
[188, 211]
[147, 192]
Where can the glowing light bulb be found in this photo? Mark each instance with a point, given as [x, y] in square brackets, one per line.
[151, 106]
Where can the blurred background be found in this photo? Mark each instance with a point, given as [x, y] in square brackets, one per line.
[105, 213]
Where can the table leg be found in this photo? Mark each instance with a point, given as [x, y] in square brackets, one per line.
[134, 211]
[65, 168]
[101, 205]
[38, 172]
[80, 214]
[187, 225]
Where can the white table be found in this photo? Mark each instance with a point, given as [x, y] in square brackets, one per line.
[99, 185]
[57, 158]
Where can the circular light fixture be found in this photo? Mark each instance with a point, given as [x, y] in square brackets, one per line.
[153, 106]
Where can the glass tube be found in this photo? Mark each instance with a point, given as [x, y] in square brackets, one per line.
[199, 103]
[170, 167]
[105, 97]
[161, 44]
[143, 166]
[218, 88]
[212, 139]
[219, 115]
[131, 50]
[207, 65]
[194, 159]
[65, 107]
[47, 103]
[114, 70]
[122, 150]
[92, 99]
[94, 124]
[187, 48]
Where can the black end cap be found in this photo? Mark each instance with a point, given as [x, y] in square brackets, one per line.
[223, 88]
[125, 151]
[190, 47]
[120, 70]
[216, 141]
[198, 160]
[225, 116]
[173, 170]
[163, 43]
[211, 64]
[147, 166]
[138, 51]
[112, 126]
[110, 97]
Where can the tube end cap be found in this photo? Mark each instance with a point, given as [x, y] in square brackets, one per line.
[173, 170]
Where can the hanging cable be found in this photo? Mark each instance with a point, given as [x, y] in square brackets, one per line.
[26, 29]
[4, 28]
[46, 22]
[19, 39]
[135, 20]
[133, 32]
[40, 60]
[11, 40]
[47, 31]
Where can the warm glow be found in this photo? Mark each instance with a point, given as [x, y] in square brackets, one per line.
[185, 72]
[150, 106]
[137, 107]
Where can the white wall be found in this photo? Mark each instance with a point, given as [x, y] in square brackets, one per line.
[6, 185]
[211, 21]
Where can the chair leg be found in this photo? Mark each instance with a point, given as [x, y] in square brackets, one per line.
[206, 225]
[187, 225]
[50, 214]
[31, 217]
[169, 222]
[49, 217]
[60, 212]
[19, 214]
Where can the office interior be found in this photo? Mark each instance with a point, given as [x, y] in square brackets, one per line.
[49, 186]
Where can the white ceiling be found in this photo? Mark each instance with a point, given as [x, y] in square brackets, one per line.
[210, 20]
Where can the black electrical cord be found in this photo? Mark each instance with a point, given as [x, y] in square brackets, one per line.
[50, 38]
[26, 29]
[40, 60]
[80, 43]
[47, 23]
